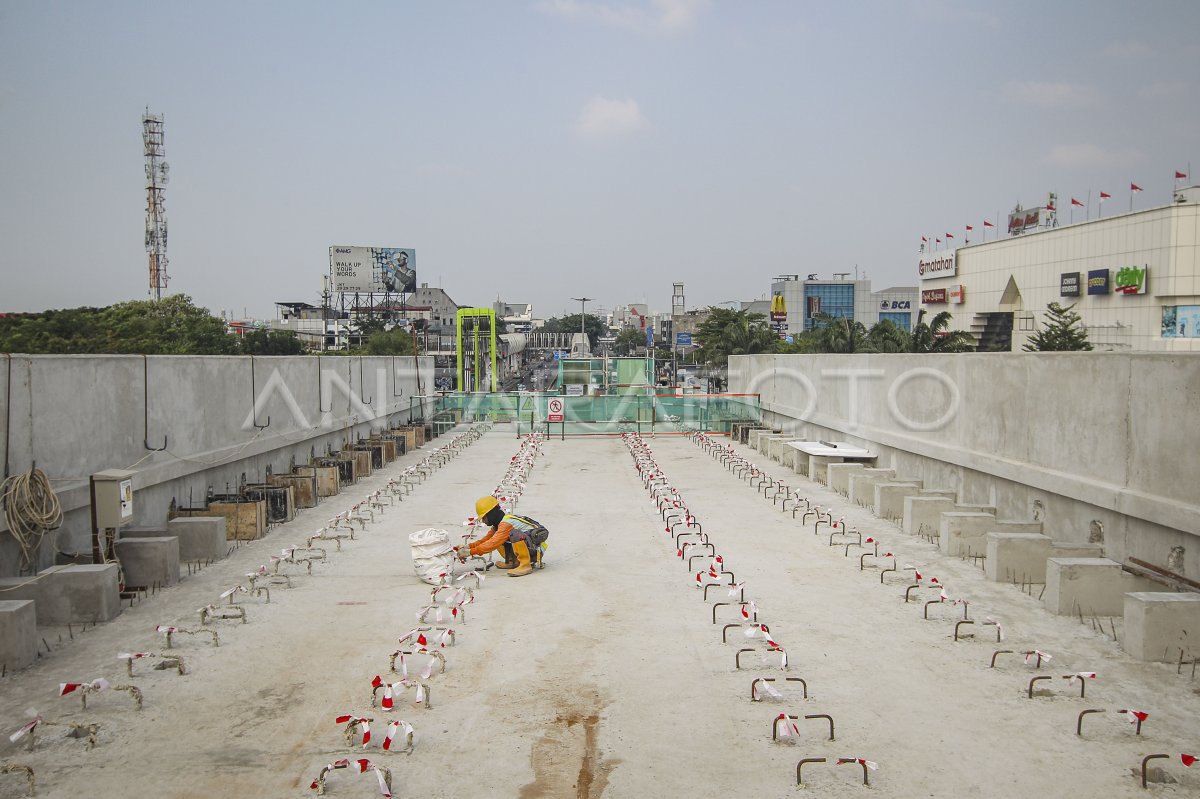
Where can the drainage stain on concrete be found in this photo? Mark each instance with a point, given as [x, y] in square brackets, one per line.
[567, 761]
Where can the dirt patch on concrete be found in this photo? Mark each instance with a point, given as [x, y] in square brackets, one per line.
[567, 761]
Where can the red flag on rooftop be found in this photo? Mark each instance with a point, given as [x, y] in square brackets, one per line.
[1105, 196]
[1076, 202]
[987, 224]
[970, 228]
[1181, 175]
[1135, 187]
[924, 239]
[949, 235]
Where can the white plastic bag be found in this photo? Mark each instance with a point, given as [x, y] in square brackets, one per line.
[432, 554]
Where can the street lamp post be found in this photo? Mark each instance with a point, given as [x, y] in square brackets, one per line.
[583, 301]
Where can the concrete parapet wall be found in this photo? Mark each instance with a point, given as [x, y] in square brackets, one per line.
[77, 415]
[1088, 442]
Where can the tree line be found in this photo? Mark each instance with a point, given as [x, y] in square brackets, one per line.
[173, 325]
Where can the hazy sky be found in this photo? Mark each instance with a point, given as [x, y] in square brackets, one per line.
[537, 150]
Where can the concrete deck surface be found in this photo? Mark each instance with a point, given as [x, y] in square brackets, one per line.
[603, 674]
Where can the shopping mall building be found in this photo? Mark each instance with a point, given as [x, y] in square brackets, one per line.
[1134, 278]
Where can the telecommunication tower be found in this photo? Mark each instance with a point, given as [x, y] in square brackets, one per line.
[157, 172]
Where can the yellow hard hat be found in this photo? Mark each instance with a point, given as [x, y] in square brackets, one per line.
[484, 505]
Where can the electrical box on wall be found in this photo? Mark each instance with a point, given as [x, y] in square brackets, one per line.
[112, 497]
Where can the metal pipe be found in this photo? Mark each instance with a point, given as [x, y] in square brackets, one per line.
[145, 408]
[825, 716]
[1146, 760]
[960, 624]
[757, 680]
[1079, 721]
[1034, 680]
[1138, 719]
[800, 765]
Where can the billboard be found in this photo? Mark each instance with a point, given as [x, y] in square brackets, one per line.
[933, 296]
[938, 264]
[373, 270]
[1181, 321]
[1068, 284]
[1020, 221]
[778, 308]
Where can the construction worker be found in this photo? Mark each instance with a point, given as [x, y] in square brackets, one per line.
[519, 537]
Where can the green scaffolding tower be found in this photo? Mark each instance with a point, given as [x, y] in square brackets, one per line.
[475, 342]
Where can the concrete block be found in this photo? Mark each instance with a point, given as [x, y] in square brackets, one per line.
[81, 593]
[755, 434]
[839, 476]
[925, 512]
[965, 532]
[32, 589]
[1160, 624]
[860, 489]
[777, 445]
[146, 561]
[18, 633]
[889, 498]
[788, 457]
[1021, 557]
[1095, 586]
[200, 538]
[818, 467]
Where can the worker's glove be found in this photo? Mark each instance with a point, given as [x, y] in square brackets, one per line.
[463, 553]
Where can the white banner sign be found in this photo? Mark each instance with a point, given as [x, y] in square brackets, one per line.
[938, 264]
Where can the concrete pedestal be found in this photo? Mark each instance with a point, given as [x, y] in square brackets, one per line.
[149, 561]
[68, 594]
[755, 434]
[1021, 557]
[1158, 625]
[200, 539]
[839, 476]
[922, 513]
[18, 633]
[1093, 586]
[965, 533]
[818, 467]
[81, 593]
[861, 485]
[788, 457]
[889, 499]
[777, 445]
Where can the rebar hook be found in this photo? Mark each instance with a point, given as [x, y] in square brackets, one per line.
[254, 400]
[394, 394]
[361, 385]
[145, 407]
[321, 391]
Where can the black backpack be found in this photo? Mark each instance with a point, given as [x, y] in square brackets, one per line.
[538, 534]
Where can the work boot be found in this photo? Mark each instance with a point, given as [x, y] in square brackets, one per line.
[510, 560]
[524, 566]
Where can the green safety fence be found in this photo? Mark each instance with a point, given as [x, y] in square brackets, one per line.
[606, 415]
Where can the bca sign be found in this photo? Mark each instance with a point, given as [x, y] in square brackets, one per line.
[554, 410]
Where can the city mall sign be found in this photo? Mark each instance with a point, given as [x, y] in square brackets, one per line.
[938, 264]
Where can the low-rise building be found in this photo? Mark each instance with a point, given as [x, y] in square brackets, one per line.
[1133, 278]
